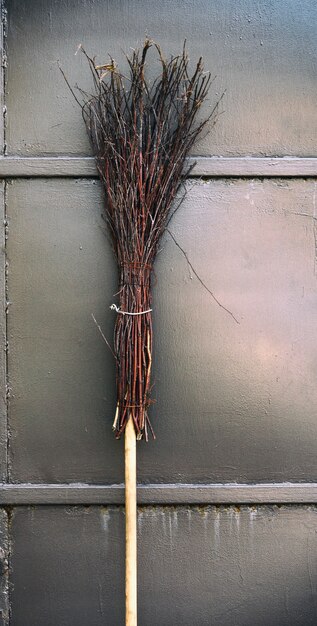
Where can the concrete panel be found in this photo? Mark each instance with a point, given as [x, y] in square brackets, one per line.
[264, 54]
[235, 402]
[61, 373]
[197, 567]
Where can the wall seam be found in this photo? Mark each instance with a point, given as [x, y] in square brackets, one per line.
[6, 615]
[5, 225]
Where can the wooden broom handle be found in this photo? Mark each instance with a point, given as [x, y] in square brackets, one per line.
[130, 525]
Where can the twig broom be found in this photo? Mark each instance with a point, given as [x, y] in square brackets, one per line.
[141, 134]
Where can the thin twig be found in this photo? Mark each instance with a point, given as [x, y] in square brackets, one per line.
[199, 278]
[103, 336]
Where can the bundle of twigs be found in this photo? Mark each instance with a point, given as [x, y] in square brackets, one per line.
[141, 133]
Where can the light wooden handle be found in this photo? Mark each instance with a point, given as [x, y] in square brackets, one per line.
[130, 526]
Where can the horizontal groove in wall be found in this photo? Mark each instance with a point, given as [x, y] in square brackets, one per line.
[241, 167]
[160, 494]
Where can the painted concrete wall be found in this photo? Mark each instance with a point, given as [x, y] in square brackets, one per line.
[202, 566]
[236, 402]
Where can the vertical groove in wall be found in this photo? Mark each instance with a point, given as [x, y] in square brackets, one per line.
[4, 568]
[3, 268]
[5, 515]
[6, 311]
[4, 235]
[3, 90]
[3, 67]
[3, 339]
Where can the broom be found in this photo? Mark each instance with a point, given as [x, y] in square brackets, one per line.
[141, 134]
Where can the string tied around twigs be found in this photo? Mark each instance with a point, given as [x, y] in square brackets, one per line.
[114, 307]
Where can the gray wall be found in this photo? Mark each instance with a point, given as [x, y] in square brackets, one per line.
[263, 53]
[235, 402]
[205, 565]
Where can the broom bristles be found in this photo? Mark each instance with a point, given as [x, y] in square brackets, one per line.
[141, 134]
